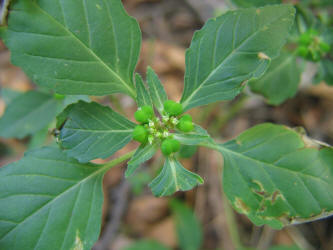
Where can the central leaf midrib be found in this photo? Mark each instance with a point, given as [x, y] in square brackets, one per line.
[63, 27]
[101, 130]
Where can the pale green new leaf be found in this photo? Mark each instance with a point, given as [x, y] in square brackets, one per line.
[142, 94]
[277, 176]
[195, 137]
[88, 47]
[141, 155]
[174, 177]
[156, 90]
[281, 80]
[189, 231]
[94, 131]
[50, 201]
[231, 49]
[28, 113]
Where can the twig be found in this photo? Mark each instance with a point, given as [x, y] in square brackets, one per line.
[266, 238]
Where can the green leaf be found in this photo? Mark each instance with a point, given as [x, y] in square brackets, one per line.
[231, 49]
[325, 72]
[143, 97]
[141, 155]
[174, 177]
[156, 90]
[187, 151]
[70, 99]
[87, 47]
[197, 136]
[277, 176]
[254, 3]
[38, 139]
[146, 245]
[28, 113]
[94, 131]
[188, 228]
[50, 201]
[8, 95]
[281, 80]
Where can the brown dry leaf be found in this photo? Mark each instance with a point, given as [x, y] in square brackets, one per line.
[282, 238]
[164, 232]
[322, 90]
[145, 211]
[162, 57]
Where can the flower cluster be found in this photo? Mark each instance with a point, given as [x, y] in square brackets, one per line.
[154, 129]
[312, 46]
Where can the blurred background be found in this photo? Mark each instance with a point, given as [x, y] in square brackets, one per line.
[201, 218]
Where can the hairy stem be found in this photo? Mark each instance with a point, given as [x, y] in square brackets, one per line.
[118, 160]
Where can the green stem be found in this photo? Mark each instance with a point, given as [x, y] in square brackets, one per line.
[118, 160]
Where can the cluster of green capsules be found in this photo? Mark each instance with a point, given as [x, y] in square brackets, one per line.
[154, 129]
[311, 46]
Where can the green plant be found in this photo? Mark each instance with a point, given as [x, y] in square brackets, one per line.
[309, 43]
[273, 174]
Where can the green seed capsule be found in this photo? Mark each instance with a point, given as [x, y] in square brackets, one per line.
[170, 146]
[186, 117]
[305, 39]
[148, 111]
[144, 114]
[175, 145]
[140, 134]
[173, 108]
[324, 47]
[302, 51]
[166, 147]
[185, 126]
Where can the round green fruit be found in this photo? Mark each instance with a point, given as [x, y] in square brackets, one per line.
[148, 111]
[144, 114]
[305, 39]
[140, 134]
[173, 108]
[170, 146]
[185, 126]
[302, 51]
[186, 117]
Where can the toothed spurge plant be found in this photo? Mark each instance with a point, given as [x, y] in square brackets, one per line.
[52, 197]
